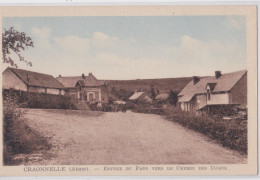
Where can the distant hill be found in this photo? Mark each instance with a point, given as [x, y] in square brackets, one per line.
[163, 85]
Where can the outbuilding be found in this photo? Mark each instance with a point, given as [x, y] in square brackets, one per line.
[29, 81]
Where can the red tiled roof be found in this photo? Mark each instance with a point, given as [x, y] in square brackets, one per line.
[69, 82]
[37, 79]
[88, 81]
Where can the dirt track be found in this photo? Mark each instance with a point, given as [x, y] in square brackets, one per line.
[124, 138]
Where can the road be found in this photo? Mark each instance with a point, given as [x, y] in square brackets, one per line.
[123, 138]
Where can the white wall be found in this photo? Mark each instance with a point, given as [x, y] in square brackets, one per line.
[10, 80]
[36, 89]
[218, 99]
[63, 92]
[53, 91]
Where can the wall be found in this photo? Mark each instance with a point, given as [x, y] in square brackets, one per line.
[218, 99]
[201, 101]
[74, 92]
[238, 94]
[53, 91]
[95, 91]
[36, 89]
[104, 95]
[63, 92]
[10, 80]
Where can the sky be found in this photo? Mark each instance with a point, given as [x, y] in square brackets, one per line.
[133, 47]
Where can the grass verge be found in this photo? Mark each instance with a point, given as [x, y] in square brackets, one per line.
[230, 133]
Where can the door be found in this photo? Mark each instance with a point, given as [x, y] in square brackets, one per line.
[91, 97]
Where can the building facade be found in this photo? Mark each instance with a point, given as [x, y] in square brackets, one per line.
[85, 88]
[221, 89]
[28, 81]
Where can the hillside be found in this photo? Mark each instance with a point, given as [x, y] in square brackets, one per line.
[166, 84]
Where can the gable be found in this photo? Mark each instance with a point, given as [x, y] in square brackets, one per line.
[223, 84]
[11, 81]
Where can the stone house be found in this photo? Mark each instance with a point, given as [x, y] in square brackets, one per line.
[28, 81]
[221, 89]
[86, 88]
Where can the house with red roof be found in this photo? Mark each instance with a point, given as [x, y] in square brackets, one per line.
[219, 90]
[86, 88]
[29, 81]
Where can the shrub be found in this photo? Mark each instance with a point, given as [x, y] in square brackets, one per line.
[229, 133]
[18, 137]
[41, 100]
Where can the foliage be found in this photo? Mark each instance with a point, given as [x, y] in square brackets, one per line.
[14, 41]
[18, 137]
[230, 133]
[121, 94]
[153, 94]
[173, 98]
[41, 100]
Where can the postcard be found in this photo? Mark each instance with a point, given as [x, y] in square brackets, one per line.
[129, 90]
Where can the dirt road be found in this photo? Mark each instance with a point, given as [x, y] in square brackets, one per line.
[123, 138]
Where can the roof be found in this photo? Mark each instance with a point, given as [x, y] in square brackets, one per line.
[162, 96]
[147, 99]
[70, 82]
[136, 95]
[223, 84]
[119, 102]
[37, 79]
[212, 85]
[89, 81]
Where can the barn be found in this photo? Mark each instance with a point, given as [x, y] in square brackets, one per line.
[29, 81]
[219, 90]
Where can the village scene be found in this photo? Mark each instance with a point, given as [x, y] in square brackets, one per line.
[88, 119]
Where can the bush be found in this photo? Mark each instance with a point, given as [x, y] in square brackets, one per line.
[41, 100]
[18, 137]
[229, 133]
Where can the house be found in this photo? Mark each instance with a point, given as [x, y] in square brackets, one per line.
[140, 97]
[23, 80]
[86, 88]
[162, 97]
[219, 90]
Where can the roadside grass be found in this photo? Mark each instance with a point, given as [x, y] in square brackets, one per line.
[19, 138]
[230, 133]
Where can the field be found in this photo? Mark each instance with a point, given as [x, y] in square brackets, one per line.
[94, 138]
[166, 84]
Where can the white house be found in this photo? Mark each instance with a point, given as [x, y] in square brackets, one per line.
[221, 89]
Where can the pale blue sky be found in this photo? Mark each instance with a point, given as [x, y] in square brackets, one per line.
[134, 47]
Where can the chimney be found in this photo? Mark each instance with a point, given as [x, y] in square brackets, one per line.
[90, 74]
[217, 74]
[59, 75]
[195, 79]
[83, 76]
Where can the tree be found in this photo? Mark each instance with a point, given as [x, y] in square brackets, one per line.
[14, 41]
[173, 98]
[153, 94]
